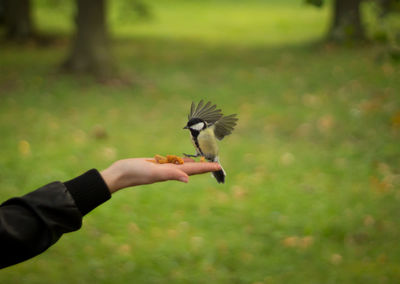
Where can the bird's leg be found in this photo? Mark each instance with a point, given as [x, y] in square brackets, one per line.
[202, 159]
[191, 156]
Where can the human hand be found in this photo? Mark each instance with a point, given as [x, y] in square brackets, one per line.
[139, 171]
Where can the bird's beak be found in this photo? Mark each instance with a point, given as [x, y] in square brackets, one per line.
[186, 127]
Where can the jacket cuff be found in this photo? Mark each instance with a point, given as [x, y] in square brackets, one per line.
[88, 191]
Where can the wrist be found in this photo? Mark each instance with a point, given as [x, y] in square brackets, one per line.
[111, 178]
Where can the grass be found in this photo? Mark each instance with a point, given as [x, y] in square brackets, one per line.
[312, 193]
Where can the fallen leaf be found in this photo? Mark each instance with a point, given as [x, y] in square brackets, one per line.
[24, 148]
[311, 100]
[133, 228]
[336, 259]
[380, 186]
[287, 159]
[396, 120]
[369, 221]
[290, 242]
[109, 153]
[326, 123]
[99, 132]
[124, 249]
[306, 242]
[239, 192]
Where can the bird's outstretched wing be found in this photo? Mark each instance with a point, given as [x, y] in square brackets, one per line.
[206, 112]
[225, 126]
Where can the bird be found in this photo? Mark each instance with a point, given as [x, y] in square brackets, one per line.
[207, 124]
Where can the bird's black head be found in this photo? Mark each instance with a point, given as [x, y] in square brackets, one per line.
[196, 125]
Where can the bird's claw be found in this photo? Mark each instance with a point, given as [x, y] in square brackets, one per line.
[190, 156]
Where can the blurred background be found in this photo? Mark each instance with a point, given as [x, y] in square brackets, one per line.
[313, 168]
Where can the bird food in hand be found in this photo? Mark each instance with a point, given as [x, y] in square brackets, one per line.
[173, 159]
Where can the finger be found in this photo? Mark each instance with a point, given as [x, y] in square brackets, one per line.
[188, 160]
[199, 168]
[174, 174]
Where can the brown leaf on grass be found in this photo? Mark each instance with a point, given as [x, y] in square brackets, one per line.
[379, 186]
[384, 169]
[109, 153]
[369, 221]
[396, 120]
[382, 258]
[99, 132]
[239, 192]
[326, 123]
[389, 177]
[287, 159]
[371, 105]
[311, 100]
[306, 242]
[290, 242]
[24, 148]
[336, 258]
[133, 228]
[125, 249]
[298, 242]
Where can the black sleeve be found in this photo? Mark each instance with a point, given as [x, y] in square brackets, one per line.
[32, 223]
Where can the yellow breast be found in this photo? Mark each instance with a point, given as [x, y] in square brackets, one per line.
[208, 143]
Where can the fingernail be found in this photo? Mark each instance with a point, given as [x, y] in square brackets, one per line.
[183, 179]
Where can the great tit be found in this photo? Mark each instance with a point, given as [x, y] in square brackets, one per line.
[207, 124]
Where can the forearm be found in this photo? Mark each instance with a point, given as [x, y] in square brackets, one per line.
[32, 223]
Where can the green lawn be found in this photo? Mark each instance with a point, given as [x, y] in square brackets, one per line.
[313, 185]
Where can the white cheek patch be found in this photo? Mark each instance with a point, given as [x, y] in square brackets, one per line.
[198, 126]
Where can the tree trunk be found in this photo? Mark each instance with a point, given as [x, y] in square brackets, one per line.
[384, 6]
[347, 24]
[18, 20]
[90, 51]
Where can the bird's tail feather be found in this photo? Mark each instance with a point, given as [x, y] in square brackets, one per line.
[219, 175]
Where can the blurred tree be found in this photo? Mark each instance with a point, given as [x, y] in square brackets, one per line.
[90, 50]
[388, 6]
[17, 19]
[346, 22]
